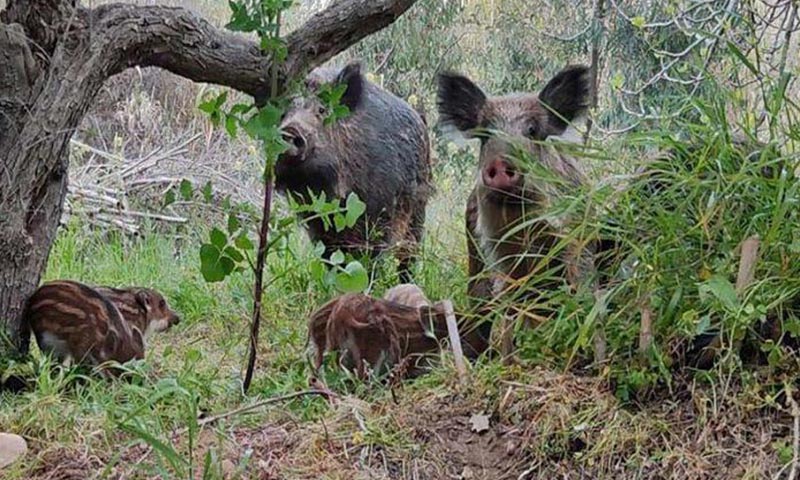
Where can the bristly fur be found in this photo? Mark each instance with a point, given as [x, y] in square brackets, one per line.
[567, 95]
[460, 102]
[351, 76]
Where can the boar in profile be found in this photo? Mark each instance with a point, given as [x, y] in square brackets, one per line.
[509, 238]
[92, 326]
[380, 151]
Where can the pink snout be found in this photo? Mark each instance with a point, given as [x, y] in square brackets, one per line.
[501, 175]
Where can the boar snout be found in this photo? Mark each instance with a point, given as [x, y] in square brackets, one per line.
[298, 143]
[501, 175]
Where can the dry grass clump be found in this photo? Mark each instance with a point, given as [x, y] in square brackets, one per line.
[543, 425]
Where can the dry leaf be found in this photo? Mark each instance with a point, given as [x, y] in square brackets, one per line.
[480, 422]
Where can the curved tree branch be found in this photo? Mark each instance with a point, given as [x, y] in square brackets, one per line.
[178, 40]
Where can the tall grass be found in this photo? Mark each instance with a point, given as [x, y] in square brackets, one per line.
[677, 231]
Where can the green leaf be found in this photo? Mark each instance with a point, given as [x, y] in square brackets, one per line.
[233, 223]
[218, 238]
[353, 278]
[243, 242]
[231, 125]
[175, 460]
[241, 108]
[241, 19]
[638, 21]
[722, 289]
[275, 46]
[794, 247]
[792, 327]
[213, 107]
[193, 355]
[210, 266]
[317, 270]
[741, 56]
[775, 356]
[339, 222]
[208, 192]
[355, 208]
[169, 197]
[703, 325]
[264, 124]
[209, 253]
[207, 474]
[232, 252]
[337, 258]
[227, 265]
[617, 80]
[186, 189]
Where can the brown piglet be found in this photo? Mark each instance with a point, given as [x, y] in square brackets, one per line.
[75, 322]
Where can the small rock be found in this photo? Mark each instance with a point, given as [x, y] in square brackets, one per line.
[12, 447]
[511, 448]
[467, 474]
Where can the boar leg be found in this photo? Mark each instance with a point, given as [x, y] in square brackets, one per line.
[416, 230]
[402, 240]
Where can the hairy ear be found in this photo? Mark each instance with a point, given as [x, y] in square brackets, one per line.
[351, 76]
[143, 299]
[566, 96]
[460, 102]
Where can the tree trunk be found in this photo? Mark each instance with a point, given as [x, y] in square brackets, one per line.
[55, 57]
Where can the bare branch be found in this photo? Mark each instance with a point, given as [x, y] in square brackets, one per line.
[179, 41]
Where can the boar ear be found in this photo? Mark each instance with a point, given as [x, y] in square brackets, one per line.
[460, 102]
[566, 96]
[351, 76]
[143, 299]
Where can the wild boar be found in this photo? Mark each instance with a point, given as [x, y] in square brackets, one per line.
[380, 151]
[75, 322]
[382, 333]
[508, 238]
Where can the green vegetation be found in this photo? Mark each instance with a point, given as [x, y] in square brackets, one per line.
[722, 167]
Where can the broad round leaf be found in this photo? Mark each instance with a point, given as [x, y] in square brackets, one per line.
[218, 238]
[353, 278]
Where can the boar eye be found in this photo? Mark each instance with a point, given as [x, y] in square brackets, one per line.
[322, 110]
[531, 132]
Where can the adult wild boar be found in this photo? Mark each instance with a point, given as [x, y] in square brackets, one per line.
[508, 238]
[380, 151]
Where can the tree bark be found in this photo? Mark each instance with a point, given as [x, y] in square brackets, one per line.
[55, 57]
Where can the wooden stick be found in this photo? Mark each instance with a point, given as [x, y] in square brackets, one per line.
[507, 337]
[455, 340]
[747, 263]
[646, 328]
[796, 441]
[599, 341]
[247, 408]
